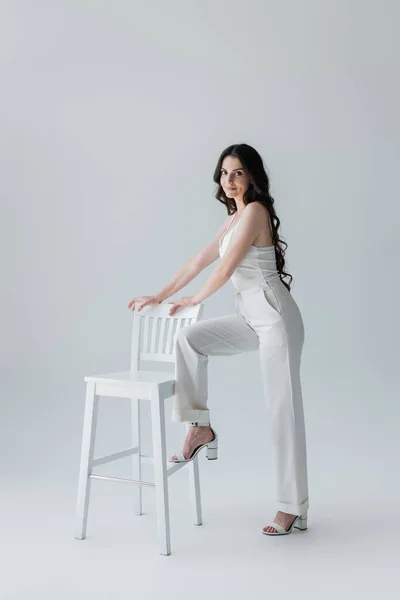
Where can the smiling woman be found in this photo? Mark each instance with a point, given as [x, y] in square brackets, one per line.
[267, 319]
[242, 180]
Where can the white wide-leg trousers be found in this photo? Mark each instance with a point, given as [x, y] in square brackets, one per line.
[267, 319]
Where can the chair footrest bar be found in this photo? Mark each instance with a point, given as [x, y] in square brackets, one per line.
[120, 480]
[102, 460]
[174, 468]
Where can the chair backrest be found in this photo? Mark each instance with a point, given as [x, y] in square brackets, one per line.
[154, 332]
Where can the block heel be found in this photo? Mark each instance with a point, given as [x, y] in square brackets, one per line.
[302, 523]
[211, 452]
[212, 449]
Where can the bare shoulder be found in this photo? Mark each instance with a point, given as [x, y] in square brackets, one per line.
[256, 209]
[255, 212]
[258, 218]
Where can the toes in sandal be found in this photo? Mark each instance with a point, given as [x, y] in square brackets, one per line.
[211, 453]
[301, 521]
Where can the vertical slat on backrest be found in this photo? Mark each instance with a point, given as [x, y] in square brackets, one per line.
[177, 330]
[181, 323]
[152, 347]
[135, 346]
[184, 323]
[169, 341]
[175, 334]
[162, 335]
[145, 340]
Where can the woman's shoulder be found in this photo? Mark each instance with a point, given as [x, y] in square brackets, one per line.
[257, 207]
[256, 210]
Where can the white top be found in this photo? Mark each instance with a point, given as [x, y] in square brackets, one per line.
[256, 267]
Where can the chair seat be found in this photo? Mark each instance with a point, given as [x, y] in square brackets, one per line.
[128, 377]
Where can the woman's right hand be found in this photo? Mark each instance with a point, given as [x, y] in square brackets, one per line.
[142, 301]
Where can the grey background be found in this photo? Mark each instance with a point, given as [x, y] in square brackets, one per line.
[113, 115]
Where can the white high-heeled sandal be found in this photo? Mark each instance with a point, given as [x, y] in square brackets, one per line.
[301, 521]
[211, 453]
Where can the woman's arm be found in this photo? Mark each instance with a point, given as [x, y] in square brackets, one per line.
[251, 223]
[194, 266]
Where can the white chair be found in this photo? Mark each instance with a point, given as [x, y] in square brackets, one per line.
[154, 337]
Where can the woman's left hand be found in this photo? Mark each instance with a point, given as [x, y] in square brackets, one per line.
[185, 301]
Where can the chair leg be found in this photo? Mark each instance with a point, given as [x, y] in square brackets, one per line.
[160, 473]
[87, 452]
[136, 461]
[194, 486]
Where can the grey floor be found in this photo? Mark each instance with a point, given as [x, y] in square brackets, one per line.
[342, 554]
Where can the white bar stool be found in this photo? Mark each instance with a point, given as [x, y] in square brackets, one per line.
[154, 337]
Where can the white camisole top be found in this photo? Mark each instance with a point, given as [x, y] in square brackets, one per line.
[258, 265]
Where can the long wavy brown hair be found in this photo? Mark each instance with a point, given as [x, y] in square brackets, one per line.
[258, 191]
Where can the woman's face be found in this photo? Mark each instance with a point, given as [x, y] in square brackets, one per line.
[234, 180]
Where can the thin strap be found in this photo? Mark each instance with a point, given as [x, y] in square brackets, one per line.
[230, 223]
[227, 229]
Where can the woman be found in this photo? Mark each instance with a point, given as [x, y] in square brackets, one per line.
[267, 319]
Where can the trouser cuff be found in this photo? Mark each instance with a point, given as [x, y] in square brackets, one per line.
[201, 417]
[293, 509]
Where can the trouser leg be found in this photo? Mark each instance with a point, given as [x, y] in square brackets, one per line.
[220, 336]
[280, 366]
